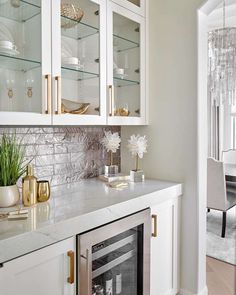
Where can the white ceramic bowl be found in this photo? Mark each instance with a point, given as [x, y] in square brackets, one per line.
[70, 60]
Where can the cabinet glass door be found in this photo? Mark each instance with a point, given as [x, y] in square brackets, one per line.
[137, 6]
[114, 259]
[79, 90]
[25, 62]
[128, 72]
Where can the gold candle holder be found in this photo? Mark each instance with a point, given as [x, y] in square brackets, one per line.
[43, 191]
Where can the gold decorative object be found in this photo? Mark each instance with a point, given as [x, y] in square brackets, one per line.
[72, 107]
[122, 112]
[43, 191]
[29, 188]
[72, 14]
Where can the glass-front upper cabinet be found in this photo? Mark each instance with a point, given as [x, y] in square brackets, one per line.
[25, 62]
[79, 62]
[126, 66]
[137, 6]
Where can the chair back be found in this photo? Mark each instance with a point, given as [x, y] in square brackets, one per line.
[229, 156]
[216, 187]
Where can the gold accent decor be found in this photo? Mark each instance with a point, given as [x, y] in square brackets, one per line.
[72, 107]
[72, 14]
[29, 188]
[71, 278]
[123, 112]
[49, 94]
[43, 191]
[154, 217]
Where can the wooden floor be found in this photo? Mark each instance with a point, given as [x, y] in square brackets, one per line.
[221, 277]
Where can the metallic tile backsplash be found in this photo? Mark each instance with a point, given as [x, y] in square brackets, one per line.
[65, 155]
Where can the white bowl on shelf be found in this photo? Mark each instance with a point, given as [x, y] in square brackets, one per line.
[70, 60]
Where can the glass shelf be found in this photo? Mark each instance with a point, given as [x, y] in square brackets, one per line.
[122, 44]
[24, 12]
[79, 31]
[118, 82]
[17, 63]
[78, 75]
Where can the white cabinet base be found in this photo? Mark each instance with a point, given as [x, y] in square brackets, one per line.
[43, 272]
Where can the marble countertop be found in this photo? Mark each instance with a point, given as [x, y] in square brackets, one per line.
[76, 208]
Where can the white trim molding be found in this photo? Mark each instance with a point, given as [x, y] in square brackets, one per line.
[185, 292]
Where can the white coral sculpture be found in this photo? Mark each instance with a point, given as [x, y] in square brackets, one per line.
[137, 146]
[111, 142]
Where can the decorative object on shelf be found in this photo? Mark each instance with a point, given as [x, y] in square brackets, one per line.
[222, 65]
[72, 107]
[137, 146]
[29, 187]
[7, 45]
[10, 83]
[71, 12]
[15, 3]
[123, 112]
[43, 190]
[29, 85]
[111, 142]
[11, 169]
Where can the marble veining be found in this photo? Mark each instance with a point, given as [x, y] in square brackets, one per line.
[64, 155]
[77, 207]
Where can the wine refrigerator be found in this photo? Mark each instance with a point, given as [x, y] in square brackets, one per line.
[115, 259]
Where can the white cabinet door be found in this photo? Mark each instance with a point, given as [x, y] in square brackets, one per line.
[25, 62]
[79, 64]
[43, 272]
[126, 66]
[137, 6]
[164, 249]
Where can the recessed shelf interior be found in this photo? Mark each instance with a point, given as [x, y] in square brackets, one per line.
[121, 44]
[118, 82]
[25, 11]
[17, 63]
[78, 75]
[80, 30]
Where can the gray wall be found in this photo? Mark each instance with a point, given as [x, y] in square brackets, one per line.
[172, 134]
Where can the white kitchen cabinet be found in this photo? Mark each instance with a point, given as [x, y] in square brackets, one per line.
[60, 65]
[48, 271]
[165, 248]
[137, 6]
[126, 66]
[82, 80]
[25, 62]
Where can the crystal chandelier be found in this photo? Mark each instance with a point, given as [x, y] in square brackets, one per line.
[222, 65]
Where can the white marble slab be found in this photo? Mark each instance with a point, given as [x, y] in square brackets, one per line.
[76, 208]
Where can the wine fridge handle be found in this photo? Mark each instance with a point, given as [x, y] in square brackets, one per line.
[71, 278]
[86, 281]
[154, 218]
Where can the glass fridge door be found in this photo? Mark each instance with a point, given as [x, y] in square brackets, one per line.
[116, 263]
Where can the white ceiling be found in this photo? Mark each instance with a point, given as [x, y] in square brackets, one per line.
[215, 19]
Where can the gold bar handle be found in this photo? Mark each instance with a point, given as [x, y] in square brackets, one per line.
[154, 218]
[49, 94]
[71, 278]
[58, 80]
[111, 97]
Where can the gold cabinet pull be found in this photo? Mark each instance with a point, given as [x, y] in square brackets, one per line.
[58, 80]
[49, 94]
[71, 278]
[111, 98]
[154, 218]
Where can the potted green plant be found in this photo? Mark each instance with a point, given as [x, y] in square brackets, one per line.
[11, 169]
